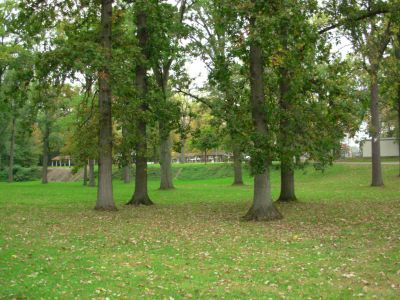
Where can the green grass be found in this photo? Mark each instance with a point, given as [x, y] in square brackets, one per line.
[369, 159]
[340, 241]
[190, 171]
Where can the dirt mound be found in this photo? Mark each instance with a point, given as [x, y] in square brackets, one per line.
[63, 174]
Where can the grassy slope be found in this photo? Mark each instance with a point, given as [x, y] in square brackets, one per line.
[185, 172]
[342, 240]
[369, 159]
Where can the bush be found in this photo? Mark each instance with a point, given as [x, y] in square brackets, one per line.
[22, 173]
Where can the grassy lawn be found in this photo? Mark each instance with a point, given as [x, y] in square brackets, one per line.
[369, 159]
[340, 241]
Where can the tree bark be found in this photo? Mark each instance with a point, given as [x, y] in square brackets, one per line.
[126, 170]
[285, 130]
[140, 195]
[105, 200]
[46, 136]
[375, 131]
[166, 182]
[287, 183]
[237, 166]
[182, 159]
[12, 150]
[92, 179]
[398, 121]
[397, 53]
[85, 176]
[262, 208]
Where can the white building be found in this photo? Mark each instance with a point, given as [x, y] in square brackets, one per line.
[389, 147]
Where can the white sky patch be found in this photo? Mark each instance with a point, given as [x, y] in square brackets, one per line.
[197, 70]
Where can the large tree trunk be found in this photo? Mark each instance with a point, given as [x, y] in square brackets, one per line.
[263, 208]
[85, 174]
[46, 136]
[237, 166]
[375, 131]
[287, 183]
[140, 195]
[92, 179]
[105, 200]
[287, 169]
[285, 131]
[12, 150]
[166, 182]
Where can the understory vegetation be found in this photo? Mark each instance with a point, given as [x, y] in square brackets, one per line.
[339, 241]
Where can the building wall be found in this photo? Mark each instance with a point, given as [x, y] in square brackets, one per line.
[389, 147]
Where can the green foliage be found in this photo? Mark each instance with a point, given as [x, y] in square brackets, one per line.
[82, 140]
[205, 138]
[22, 173]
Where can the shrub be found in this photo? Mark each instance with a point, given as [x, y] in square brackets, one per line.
[22, 173]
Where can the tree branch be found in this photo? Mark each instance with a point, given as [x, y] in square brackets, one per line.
[195, 97]
[362, 16]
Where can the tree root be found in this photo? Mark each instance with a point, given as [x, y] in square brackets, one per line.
[136, 201]
[282, 199]
[166, 188]
[269, 213]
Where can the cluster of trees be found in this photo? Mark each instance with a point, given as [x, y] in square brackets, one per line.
[276, 89]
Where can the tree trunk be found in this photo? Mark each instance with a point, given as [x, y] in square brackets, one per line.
[237, 166]
[205, 156]
[166, 182]
[398, 121]
[45, 164]
[126, 170]
[375, 131]
[285, 131]
[263, 208]
[287, 183]
[105, 200]
[397, 53]
[140, 195]
[85, 176]
[182, 159]
[92, 179]
[12, 150]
